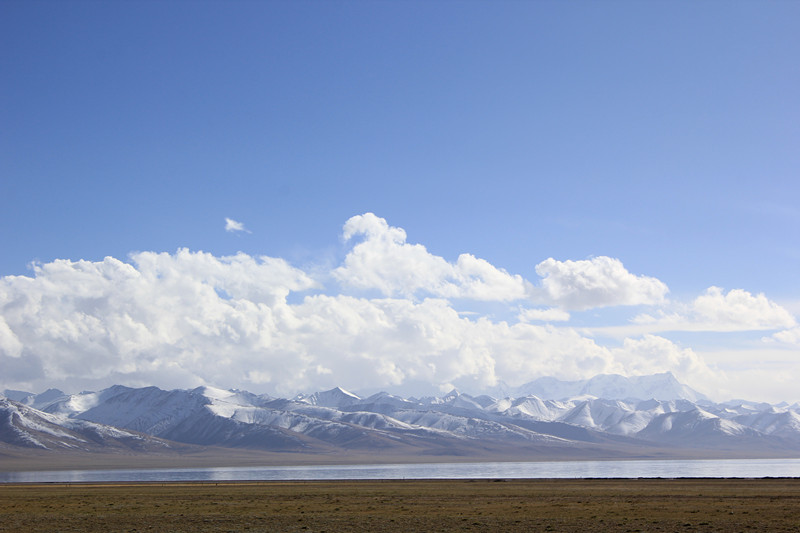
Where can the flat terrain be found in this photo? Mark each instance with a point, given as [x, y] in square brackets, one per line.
[26, 459]
[463, 505]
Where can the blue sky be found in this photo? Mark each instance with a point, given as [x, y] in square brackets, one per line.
[661, 136]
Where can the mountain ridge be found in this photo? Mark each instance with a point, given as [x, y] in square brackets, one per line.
[337, 422]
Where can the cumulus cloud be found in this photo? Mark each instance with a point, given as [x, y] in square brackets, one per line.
[233, 226]
[164, 315]
[739, 309]
[597, 282]
[385, 262]
[189, 318]
[9, 343]
[385, 317]
[788, 336]
[651, 354]
[715, 310]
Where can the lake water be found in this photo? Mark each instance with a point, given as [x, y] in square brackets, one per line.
[742, 468]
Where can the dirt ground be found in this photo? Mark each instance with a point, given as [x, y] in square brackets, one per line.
[378, 506]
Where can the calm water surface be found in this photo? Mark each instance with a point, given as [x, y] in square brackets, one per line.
[746, 468]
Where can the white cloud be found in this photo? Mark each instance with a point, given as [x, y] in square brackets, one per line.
[740, 310]
[788, 336]
[760, 372]
[191, 318]
[180, 315]
[385, 262]
[651, 354]
[234, 226]
[714, 310]
[543, 315]
[597, 282]
[183, 319]
[9, 343]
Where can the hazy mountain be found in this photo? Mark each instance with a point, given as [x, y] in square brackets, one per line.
[611, 387]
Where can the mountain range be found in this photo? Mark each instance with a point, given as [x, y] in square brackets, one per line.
[608, 416]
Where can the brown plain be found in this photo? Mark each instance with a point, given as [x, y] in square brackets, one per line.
[431, 505]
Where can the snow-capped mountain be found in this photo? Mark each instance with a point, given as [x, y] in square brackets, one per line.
[337, 398]
[606, 416]
[703, 430]
[612, 387]
[26, 427]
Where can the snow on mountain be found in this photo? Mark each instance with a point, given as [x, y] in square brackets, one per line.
[530, 406]
[779, 422]
[700, 429]
[37, 401]
[17, 395]
[148, 410]
[209, 416]
[609, 410]
[631, 423]
[664, 386]
[386, 403]
[473, 428]
[232, 396]
[27, 427]
[203, 416]
[75, 403]
[616, 417]
[600, 414]
[336, 398]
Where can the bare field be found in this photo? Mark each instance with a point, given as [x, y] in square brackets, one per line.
[463, 505]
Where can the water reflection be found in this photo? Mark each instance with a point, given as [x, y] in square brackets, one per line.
[529, 470]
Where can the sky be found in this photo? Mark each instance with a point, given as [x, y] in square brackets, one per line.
[408, 196]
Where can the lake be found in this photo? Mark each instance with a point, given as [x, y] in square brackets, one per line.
[742, 468]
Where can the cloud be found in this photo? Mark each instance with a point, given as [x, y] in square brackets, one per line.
[788, 336]
[543, 315]
[190, 318]
[739, 309]
[166, 315]
[385, 262]
[651, 354]
[714, 310]
[234, 226]
[387, 316]
[9, 343]
[597, 282]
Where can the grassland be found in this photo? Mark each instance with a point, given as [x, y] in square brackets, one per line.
[386, 506]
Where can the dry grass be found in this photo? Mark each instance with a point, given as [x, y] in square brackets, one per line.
[485, 505]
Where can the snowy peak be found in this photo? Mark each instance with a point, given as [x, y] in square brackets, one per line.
[334, 398]
[612, 387]
[665, 387]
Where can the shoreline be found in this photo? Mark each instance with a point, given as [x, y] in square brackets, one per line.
[41, 461]
[388, 481]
